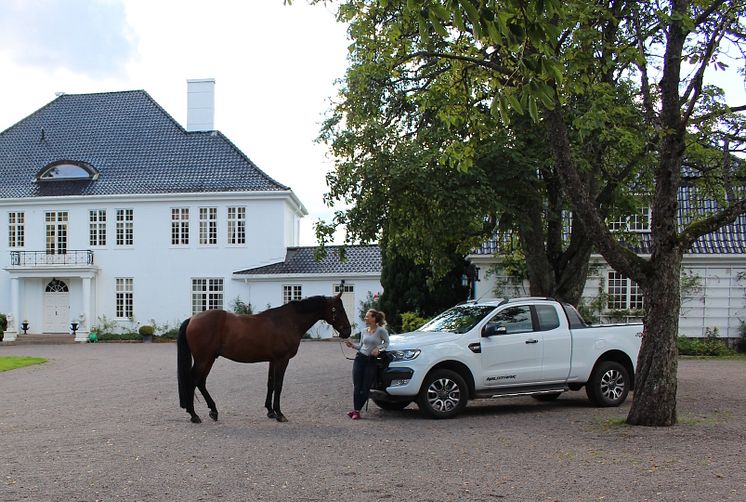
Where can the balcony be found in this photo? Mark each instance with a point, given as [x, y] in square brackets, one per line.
[75, 257]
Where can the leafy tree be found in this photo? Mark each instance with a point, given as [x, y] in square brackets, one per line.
[424, 160]
[539, 53]
[408, 287]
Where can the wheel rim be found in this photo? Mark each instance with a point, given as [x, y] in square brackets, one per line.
[443, 395]
[612, 385]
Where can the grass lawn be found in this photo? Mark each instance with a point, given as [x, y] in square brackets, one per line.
[12, 362]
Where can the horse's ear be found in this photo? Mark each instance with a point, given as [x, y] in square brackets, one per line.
[339, 296]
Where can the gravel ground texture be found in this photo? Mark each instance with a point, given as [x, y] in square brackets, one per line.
[102, 422]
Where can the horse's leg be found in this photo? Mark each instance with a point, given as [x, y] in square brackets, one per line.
[199, 375]
[190, 403]
[202, 386]
[270, 389]
[279, 376]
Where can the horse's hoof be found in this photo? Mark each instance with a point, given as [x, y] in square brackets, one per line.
[214, 415]
[271, 414]
[281, 418]
[196, 420]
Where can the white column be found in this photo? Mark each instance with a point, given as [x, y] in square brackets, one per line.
[14, 325]
[85, 322]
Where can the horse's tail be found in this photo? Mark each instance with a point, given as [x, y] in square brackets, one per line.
[183, 365]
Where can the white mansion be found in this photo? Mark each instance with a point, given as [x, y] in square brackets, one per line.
[116, 213]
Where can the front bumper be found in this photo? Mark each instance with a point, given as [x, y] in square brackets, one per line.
[394, 384]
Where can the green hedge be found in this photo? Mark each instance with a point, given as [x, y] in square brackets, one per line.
[711, 345]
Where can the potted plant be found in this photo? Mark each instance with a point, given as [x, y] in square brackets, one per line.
[146, 331]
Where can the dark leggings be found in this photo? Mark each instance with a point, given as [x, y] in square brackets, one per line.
[363, 372]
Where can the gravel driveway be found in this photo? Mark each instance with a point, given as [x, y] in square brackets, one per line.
[102, 422]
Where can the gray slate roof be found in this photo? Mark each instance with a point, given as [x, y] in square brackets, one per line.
[360, 259]
[728, 240]
[136, 146]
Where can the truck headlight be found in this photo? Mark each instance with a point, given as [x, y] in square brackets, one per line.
[405, 355]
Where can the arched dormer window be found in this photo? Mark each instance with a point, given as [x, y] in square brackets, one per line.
[68, 170]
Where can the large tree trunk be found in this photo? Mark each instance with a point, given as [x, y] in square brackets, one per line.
[654, 402]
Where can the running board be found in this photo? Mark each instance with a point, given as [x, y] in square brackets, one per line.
[522, 393]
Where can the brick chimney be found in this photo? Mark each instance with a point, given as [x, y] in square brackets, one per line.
[201, 104]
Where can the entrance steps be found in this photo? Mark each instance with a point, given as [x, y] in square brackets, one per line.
[42, 340]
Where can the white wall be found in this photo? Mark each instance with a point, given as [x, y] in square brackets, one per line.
[718, 302]
[161, 272]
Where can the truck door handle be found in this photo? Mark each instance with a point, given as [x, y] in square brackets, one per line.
[532, 341]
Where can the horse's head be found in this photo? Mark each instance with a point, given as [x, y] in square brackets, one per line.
[337, 317]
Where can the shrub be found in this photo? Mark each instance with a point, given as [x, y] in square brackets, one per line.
[113, 337]
[3, 323]
[171, 334]
[239, 307]
[410, 321]
[146, 330]
[742, 342]
[710, 345]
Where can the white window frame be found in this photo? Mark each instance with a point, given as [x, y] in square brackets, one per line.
[207, 293]
[125, 296]
[16, 229]
[291, 292]
[179, 226]
[125, 227]
[97, 227]
[236, 225]
[622, 292]
[56, 231]
[638, 222]
[208, 226]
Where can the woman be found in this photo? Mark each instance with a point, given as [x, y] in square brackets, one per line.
[372, 341]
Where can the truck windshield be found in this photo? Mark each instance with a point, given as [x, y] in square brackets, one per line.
[458, 319]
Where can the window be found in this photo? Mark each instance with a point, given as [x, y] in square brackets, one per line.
[207, 294]
[236, 225]
[548, 318]
[97, 227]
[180, 226]
[56, 232]
[637, 222]
[66, 170]
[344, 288]
[208, 225]
[124, 297]
[623, 293]
[125, 227]
[290, 293]
[515, 319]
[16, 231]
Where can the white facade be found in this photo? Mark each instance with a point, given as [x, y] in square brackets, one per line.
[161, 272]
[713, 293]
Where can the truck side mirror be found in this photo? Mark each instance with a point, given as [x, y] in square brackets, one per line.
[492, 329]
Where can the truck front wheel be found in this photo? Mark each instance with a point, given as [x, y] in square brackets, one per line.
[608, 385]
[443, 395]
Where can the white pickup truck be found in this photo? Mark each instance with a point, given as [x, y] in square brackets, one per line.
[525, 346]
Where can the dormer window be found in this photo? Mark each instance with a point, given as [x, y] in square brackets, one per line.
[68, 170]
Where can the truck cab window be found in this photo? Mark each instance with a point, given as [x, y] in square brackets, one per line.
[514, 319]
[548, 318]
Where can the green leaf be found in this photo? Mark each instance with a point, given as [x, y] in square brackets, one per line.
[532, 109]
[513, 100]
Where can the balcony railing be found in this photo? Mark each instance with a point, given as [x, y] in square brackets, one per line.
[38, 258]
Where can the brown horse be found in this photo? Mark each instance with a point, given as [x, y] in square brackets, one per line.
[273, 335]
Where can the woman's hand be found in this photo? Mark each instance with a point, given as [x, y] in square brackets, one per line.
[348, 343]
[375, 352]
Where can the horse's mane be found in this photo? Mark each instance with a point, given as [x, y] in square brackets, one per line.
[304, 306]
[310, 304]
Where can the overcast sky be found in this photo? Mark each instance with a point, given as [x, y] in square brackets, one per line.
[274, 67]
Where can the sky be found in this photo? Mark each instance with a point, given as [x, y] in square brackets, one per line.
[274, 68]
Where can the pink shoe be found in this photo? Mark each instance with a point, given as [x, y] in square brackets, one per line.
[351, 413]
[355, 415]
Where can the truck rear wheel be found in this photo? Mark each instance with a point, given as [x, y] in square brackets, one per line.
[608, 385]
[443, 395]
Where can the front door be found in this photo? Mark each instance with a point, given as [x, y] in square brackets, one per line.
[56, 307]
